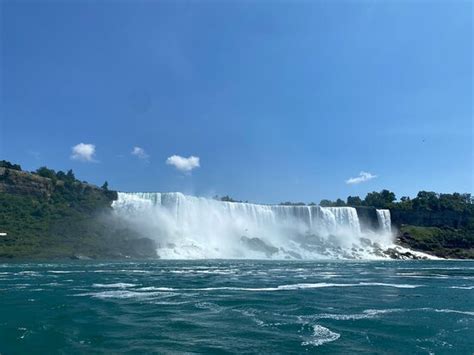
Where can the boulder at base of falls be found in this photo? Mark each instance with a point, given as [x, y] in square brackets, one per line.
[402, 255]
[256, 244]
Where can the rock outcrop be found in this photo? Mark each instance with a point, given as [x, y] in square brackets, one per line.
[24, 183]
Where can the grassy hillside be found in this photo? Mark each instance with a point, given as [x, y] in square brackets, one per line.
[445, 242]
[54, 215]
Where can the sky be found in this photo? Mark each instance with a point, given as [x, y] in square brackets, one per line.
[265, 101]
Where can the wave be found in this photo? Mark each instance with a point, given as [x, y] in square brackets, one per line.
[301, 286]
[64, 271]
[374, 313]
[115, 285]
[321, 335]
[121, 294]
[463, 287]
[152, 290]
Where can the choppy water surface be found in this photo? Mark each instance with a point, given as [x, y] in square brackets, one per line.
[237, 307]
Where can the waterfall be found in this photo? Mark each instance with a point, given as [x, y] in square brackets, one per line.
[196, 227]
[385, 223]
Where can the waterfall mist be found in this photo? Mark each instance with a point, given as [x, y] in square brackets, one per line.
[188, 227]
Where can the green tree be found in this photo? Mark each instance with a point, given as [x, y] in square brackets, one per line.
[61, 175]
[8, 165]
[105, 186]
[405, 203]
[70, 176]
[426, 200]
[47, 173]
[354, 201]
[382, 199]
[326, 203]
[455, 202]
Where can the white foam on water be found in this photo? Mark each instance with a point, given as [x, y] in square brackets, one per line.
[121, 294]
[152, 288]
[290, 287]
[115, 285]
[272, 289]
[212, 272]
[321, 335]
[374, 313]
[64, 271]
[440, 267]
[388, 285]
[468, 313]
[29, 273]
[418, 254]
[342, 316]
[463, 287]
[136, 271]
[419, 275]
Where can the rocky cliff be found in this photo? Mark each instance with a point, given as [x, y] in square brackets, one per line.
[24, 183]
[368, 218]
[450, 219]
[446, 234]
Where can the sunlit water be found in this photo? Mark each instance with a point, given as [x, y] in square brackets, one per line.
[237, 307]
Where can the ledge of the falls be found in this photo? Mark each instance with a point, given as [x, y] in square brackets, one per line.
[196, 227]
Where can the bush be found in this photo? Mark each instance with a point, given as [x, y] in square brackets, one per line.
[8, 165]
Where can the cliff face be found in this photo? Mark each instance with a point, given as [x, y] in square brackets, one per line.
[24, 183]
[450, 219]
[446, 234]
[368, 218]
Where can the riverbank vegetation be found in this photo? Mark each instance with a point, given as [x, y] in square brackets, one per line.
[48, 214]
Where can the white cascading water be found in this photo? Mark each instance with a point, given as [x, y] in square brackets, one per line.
[385, 223]
[188, 227]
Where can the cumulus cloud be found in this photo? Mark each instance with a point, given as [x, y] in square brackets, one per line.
[139, 153]
[183, 164]
[363, 177]
[83, 152]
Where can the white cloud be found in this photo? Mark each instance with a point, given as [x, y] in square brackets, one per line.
[139, 153]
[83, 152]
[183, 164]
[363, 177]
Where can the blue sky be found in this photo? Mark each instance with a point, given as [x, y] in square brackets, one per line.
[275, 100]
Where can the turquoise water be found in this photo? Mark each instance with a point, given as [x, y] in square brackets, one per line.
[395, 307]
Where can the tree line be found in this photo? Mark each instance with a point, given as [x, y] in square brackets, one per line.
[424, 200]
